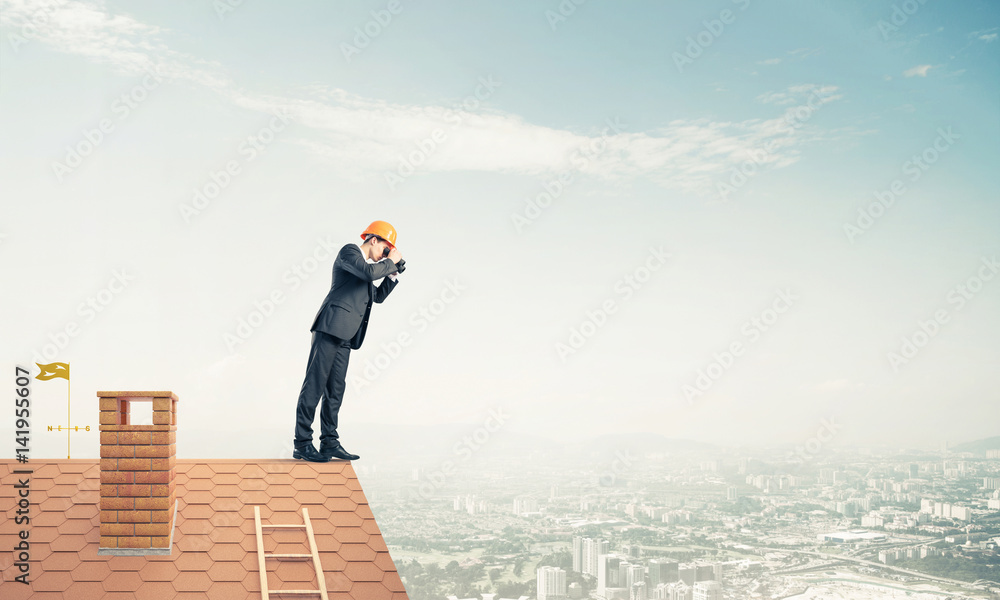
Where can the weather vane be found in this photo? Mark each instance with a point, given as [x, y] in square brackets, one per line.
[51, 371]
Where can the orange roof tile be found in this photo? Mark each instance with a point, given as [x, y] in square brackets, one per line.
[215, 548]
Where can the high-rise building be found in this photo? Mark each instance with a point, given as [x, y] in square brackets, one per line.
[848, 509]
[474, 506]
[704, 572]
[634, 574]
[825, 476]
[638, 591]
[578, 554]
[654, 512]
[707, 590]
[662, 570]
[551, 583]
[623, 573]
[672, 591]
[686, 574]
[609, 575]
[525, 504]
[592, 550]
[873, 520]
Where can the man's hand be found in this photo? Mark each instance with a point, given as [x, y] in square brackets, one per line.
[395, 256]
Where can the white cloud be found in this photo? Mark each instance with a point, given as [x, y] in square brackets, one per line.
[801, 53]
[770, 61]
[776, 98]
[917, 71]
[986, 35]
[800, 93]
[86, 29]
[364, 137]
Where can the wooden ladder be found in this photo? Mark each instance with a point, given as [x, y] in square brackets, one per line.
[314, 555]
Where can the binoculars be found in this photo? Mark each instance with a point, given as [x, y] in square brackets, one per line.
[401, 266]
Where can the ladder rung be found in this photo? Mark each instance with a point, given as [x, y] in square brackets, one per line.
[283, 526]
[303, 556]
[300, 592]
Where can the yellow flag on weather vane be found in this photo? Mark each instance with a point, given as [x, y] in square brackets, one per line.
[53, 370]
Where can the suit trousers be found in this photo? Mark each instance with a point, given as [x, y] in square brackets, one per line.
[326, 377]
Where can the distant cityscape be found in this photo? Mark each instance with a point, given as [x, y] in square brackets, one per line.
[692, 522]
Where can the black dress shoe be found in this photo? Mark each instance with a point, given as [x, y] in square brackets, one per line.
[339, 453]
[309, 453]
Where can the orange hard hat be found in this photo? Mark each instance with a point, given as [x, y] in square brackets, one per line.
[382, 229]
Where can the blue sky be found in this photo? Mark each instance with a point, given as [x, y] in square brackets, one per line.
[748, 164]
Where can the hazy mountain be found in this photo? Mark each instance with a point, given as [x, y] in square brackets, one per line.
[979, 446]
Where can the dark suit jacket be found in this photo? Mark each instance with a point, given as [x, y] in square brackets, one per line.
[344, 313]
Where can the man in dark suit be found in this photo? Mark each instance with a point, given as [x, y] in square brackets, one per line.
[338, 328]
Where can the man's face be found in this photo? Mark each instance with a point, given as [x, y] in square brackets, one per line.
[382, 248]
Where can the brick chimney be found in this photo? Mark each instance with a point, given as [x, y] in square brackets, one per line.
[138, 503]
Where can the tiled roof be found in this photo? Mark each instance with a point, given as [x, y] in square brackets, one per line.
[215, 544]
